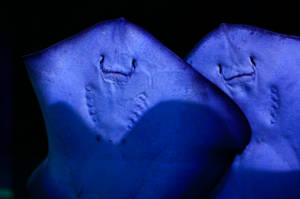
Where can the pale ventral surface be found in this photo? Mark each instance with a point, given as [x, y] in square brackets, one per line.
[260, 71]
[126, 118]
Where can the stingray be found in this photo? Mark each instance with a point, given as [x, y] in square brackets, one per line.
[127, 118]
[260, 71]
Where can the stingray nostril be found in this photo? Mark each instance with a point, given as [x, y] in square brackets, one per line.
[133, 66]
[133, 63]
[252, 60]
[220, 68]
[101, 59]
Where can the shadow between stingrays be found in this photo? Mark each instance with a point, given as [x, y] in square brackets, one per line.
[190, 149]
[176, 150]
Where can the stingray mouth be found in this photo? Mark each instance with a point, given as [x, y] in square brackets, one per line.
[243, 76]
[120, 72]
[117, 72]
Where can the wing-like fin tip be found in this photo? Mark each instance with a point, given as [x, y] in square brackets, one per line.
[29, 58]
[26, 58]
[37, 62]
[34, 61]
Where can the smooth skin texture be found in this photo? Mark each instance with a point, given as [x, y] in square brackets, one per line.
[126, 118]
[260, 71]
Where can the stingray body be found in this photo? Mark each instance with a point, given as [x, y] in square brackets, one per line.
[260, 71]
[126, 118]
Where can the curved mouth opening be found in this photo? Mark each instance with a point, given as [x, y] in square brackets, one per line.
[117, 72]
[238, 76]
[245, 76]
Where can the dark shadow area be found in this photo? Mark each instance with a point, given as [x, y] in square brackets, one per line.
[184, 133]
[176, 150]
